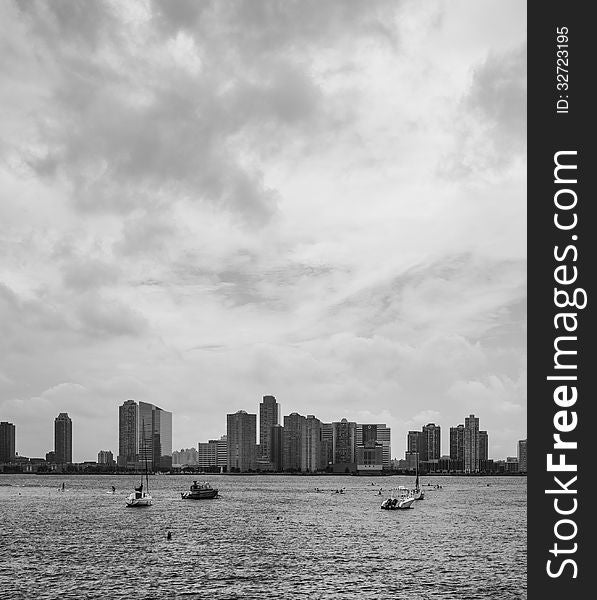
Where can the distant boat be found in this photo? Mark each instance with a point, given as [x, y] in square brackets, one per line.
[200, 491]
[140, 498]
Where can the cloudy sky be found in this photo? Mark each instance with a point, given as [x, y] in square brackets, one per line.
[206, 202]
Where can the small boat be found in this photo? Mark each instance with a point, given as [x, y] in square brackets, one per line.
[403, 499]
[397, 503]
[140, 498]
[199, 491]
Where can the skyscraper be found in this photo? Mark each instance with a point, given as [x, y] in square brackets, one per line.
[522, 456]
[432, 441]
[483, 446]
[7, 442]
[63, 439]
[155, 436]
[268, 417]
[457, 447]
[277, 447]
[311, 451]
[344, 442]
[128, 433]
[242, 434]
[471, 444]
[415, 444]
[379, 433]
[294, 426]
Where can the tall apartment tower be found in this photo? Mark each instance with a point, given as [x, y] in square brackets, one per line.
[483, 446]
[294, 429]
[457, 447]
[7, 442]
[522, 456]
[241, 429]
[63, 439]
[154, 426]
[415, 443]
[471, 444]
[344, 441]
[128, 433]
[432, 441]
[268, 417]
[311, 451]
[277, 447]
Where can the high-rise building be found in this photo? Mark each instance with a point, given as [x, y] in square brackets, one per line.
[268, 417]
[277, 447]
[471, 444]
[432, 441]
[311, 451]
[222, 444]
[379, 433]
[327, 444]
[522, 456]
[63, 439]
[242, 440]
[207, 454]
[294, 427]
[7, 442]
[457, 448]
[416, 444]
[128, 434]
[483, 446]
[105, 457]
[155, 436]
[344, 442]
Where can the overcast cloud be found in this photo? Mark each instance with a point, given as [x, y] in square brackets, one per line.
[206, 202]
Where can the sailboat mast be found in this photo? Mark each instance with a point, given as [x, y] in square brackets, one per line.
[145, 454]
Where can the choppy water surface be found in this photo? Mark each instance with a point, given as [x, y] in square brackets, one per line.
[267, 537]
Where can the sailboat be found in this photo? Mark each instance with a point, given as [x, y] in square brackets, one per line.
[418, 493]
[141, 497]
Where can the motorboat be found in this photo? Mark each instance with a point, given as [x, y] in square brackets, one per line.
[200, 491]
[397, 503]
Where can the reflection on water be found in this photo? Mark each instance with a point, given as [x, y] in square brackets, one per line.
[267, 537]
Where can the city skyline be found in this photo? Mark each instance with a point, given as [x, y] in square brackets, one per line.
[426, 443]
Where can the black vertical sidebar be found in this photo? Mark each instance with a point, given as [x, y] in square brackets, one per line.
[562, 238]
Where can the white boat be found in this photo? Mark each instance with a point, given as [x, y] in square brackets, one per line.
[404, 499]
[140, 498]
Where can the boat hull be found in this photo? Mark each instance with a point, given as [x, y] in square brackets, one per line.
[199, 494]
[133, 502]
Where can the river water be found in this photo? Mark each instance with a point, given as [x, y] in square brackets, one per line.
[266, 537]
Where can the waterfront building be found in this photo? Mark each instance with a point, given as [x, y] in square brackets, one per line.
[380, 434]
[206, 455]
[412, 460]
[483, 446]
[277, 447]
[268, 417]
[222, 453]
[294, 429]
[105, 457]
[311, 445]
[128, 434]
[63, 439]
[471, 444]
[432, 442]
[155, 437]
[457, 448]
[522, 456]
[344, 442]
[7, 442]
[242, 441]
[512, 465]
[327, 445]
